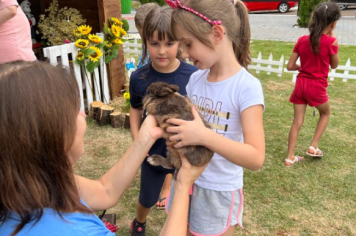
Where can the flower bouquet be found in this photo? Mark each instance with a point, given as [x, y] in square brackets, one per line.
[92, 47]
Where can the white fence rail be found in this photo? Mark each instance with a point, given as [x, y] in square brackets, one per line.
[334, 73]
[277, 65]
[132, 47]
[260, 64]
[61, 54]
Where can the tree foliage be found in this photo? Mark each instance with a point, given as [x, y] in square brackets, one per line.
[306, 8]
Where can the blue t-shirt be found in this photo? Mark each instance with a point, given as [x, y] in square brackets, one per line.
[51, 224]
[143, 77]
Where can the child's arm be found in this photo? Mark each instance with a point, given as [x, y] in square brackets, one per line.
[292, 63]
[334, 59]
[106, 192]
[176, 223]
[135, 121]
[250, 154]
[7, 13]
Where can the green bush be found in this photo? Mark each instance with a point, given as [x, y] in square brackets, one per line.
[159, 2]
[125, 25]
[306, 8]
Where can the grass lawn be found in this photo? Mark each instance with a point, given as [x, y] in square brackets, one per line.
[314, 197]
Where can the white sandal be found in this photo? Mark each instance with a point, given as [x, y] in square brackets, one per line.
[288, 162]
[316, 152]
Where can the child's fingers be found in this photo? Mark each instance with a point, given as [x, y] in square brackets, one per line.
[172, 129]
[174, 121]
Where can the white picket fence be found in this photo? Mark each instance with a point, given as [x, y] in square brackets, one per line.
[334, 73]
[259, 62]
[61, 54]
[132, 48]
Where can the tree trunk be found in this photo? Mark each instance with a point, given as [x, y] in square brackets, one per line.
[127, 121]
[103, 117]
[116, 119]
[95, 109]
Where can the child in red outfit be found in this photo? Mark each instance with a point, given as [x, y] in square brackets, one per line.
[317, 52]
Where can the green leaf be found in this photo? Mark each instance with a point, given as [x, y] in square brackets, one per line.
[106, 29]
[115, 47]
[79, 62]
[101, 45]
[108, 58]
[92, 65]
[87, 52]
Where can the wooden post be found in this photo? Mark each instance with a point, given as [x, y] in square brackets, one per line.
[116, 69]
[103, 118]
[127, 121]
[116, 119]
[94, 111]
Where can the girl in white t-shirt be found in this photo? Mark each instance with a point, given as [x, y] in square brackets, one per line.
[215, 35]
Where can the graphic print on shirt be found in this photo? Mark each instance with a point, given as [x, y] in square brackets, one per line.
[212, 113]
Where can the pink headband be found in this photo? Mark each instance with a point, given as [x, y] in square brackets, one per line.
[176, 4]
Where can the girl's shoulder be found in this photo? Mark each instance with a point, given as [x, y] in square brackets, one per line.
[198, 75]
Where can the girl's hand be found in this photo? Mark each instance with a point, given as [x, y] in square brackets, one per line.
[187, 133]
[187, 174]
[149, 126]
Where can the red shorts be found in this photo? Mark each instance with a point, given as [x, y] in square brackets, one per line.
[310, 91]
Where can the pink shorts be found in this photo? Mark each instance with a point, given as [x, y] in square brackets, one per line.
[310, 91]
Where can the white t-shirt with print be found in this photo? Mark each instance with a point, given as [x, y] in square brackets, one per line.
[221, 104]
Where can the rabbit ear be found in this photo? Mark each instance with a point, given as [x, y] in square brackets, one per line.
[128, 60]
[174, 87]
[133, 60]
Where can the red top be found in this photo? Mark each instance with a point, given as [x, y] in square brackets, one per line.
[315, 66]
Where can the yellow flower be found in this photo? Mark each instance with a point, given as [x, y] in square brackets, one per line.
[115, 30]
[77, 33]
[95, 39]
[108, 45]
[117, 41]
[82, 43]
[80, 56]
[122, 31]
[95, 55]
[127, 95]
[84, 29]
[116, 21]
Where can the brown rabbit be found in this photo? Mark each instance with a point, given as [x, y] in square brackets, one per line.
[164, 102]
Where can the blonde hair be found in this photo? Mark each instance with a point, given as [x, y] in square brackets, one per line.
[233, 17]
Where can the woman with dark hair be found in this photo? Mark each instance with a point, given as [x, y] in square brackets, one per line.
[41, 133]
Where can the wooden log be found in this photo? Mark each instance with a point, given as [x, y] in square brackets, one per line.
[103, 117]
[116, 119]
[127, 87]
[127, 121]
[95, 109]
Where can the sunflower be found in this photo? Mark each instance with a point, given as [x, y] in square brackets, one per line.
[95, 55]
[107, 44]
[80, 56]
[77, 33]
[117, 41]
[116, 21]
[115, 30]
[84, 29]
[82, 43]
[127, 96]
[95, 39]
[122, 31]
